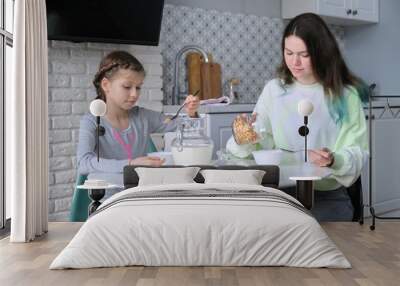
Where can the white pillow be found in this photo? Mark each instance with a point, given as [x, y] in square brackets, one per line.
[248, 177]
[166, 176]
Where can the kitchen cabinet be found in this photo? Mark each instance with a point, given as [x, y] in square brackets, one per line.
[338, 12]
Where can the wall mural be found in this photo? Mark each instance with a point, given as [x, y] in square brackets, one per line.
[246, 46]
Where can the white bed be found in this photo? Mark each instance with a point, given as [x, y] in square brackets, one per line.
[245, 225]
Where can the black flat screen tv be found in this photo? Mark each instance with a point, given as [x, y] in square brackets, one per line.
[108, 21]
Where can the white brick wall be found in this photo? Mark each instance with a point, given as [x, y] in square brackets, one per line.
[71, 70]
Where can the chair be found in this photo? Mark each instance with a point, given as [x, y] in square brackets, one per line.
[356, 197]
[80, 200]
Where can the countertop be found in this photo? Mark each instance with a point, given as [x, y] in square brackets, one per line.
[248, 107]
[217, 108]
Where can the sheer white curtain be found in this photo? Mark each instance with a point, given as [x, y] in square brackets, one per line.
[27, 124]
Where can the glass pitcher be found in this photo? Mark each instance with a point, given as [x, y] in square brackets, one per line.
[191, 146]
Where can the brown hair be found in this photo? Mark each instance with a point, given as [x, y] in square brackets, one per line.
[111, 64]
[327, 62]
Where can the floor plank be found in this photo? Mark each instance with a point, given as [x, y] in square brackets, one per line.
[374, 255]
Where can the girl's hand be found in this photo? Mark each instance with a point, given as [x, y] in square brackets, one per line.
[321, 157]
[192, 103]
[147, 161]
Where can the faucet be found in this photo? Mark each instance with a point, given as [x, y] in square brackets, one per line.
[176, 94]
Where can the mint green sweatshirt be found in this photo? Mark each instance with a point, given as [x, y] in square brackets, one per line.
[278, 122]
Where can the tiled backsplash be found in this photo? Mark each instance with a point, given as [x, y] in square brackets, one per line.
[246, 46]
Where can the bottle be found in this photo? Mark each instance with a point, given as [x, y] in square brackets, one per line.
[233, 94]
[191, 146]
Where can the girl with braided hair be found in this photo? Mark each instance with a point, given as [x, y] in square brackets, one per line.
[127, 127]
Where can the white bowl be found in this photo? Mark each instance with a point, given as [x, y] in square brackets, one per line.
[267, 157]
[169, 160]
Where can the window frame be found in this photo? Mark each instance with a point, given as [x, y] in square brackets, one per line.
[6, 39]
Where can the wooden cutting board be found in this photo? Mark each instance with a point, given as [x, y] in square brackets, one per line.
[211, 80]
[193, 67]
[203, 76]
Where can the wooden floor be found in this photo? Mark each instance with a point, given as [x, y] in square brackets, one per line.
[374, 255]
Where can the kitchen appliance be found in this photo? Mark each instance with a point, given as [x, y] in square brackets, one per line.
[191, 145]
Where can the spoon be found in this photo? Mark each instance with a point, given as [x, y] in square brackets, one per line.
[167, 120]
[290, 151]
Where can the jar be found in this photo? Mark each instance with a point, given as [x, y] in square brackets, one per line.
[191, 146]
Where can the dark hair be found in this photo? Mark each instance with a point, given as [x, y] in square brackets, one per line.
[327, 62]
[112, 63]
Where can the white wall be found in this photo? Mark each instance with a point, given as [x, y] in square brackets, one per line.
[373, 51]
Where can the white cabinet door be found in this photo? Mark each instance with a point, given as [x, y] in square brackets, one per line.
[334, 8]
[365, 10]
[339, 12]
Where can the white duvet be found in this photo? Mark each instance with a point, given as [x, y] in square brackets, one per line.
[184, 231]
